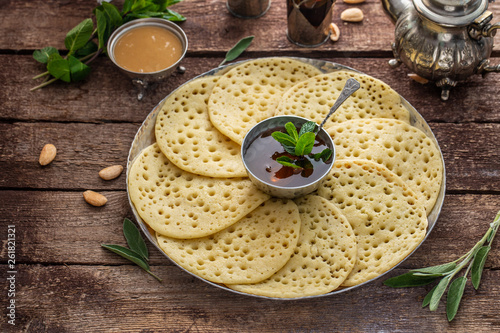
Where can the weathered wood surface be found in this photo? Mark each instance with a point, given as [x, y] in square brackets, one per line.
[67, 282]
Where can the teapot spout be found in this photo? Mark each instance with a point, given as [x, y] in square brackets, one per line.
[394, 8]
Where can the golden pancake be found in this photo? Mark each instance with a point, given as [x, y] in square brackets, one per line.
[250, 93]
[186, 136]
[324, 257]
[383, 211]
[249, 251]
[180, 204]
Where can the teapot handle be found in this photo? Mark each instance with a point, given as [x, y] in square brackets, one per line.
[481, 27]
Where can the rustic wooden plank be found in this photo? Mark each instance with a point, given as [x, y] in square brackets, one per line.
[470, 152]
[103, 299]
[209, 26]
[107, 95]
[59, 227]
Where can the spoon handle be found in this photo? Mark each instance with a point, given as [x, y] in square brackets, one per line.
[350, 87]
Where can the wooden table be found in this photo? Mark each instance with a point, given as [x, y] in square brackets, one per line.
[65, 281]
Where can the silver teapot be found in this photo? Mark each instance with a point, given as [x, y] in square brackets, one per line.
[444, 41]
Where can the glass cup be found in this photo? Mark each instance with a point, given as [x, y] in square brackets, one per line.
[309, 21]
[248, 8]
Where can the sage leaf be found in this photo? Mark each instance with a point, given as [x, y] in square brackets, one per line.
[127, 254]
[237, 49]
[438, 269]
[305, 144]
[79, 35]
[78, 69]
[291, 130]
[284, 139]
[134, 239]
[309, 126]
[478, 265]
[408, 280]
[454, 297]
[427, 298]
[59, 67]
[439, 292]
[44, 54]
[287, 161]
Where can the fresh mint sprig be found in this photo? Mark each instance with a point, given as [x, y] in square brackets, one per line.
[299, 144]
[137, 251]
[473, 262]
[85, 42]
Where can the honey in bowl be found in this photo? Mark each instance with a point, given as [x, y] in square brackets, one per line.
[147, 49]
[262, 154]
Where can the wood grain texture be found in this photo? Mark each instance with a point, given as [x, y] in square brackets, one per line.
[126, 299]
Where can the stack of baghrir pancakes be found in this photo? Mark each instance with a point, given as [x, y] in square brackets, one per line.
[370, 213]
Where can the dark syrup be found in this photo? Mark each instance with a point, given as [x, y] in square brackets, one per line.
[261, 155]
[314, 11]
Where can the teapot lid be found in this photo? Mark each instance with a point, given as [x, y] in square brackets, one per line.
[451, 12]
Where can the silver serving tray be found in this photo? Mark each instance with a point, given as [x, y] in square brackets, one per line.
[146, 136]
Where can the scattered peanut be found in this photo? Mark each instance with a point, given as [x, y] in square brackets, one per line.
[47, 154]
[352, 15]
[111, 172]
[352, 2]
[94, 198]
[417, 78]
[334, 32]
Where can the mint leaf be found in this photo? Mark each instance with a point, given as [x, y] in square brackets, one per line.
[103, 28]
[324, 155]
[112, 13]
[284, 139]
[59, 67]
[78, 69]
[287, 161]
[44, 54]
[305, 144]
[134, 239]
[291, 130]
[86, 50]
[79, 36]
[309, 126]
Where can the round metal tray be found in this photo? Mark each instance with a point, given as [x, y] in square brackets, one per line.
[146, 136]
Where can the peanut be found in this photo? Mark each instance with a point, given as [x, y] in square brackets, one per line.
[94, 198]
[47, 154]
[352, 15]
[111, 172]
[418, 78]
[352, 2]
[334, 32]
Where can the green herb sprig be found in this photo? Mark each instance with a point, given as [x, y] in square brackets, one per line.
[85, 42]
[138, 251]
[473, 261]
[237, 49]
[299, 144]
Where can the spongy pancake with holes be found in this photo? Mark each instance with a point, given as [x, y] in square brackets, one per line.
[186, 136]
[401, 148]
[313, 99]
[324, 257]
[180, 204]
[250, 93]
[383, 211]
[249, 251]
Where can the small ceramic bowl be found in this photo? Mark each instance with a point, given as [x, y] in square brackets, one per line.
[267, 186]
[142, 80]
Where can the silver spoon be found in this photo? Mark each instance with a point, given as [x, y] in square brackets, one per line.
[350, 87]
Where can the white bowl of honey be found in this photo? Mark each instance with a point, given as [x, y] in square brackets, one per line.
[147, 50]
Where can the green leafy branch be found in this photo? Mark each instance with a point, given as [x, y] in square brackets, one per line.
[299, 144]
[473, 262]
[137, 251]
[85, 42]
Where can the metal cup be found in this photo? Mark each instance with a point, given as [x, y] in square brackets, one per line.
[308, 21]
[273, 189]
[143, 80]
[248, 8]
